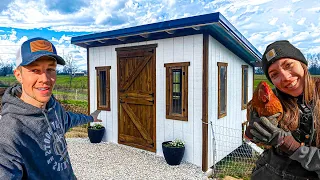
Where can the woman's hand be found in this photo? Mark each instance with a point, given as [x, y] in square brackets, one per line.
[267, 133]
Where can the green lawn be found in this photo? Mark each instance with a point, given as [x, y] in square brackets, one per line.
[258, 78]
[62, 90]
[63, 81]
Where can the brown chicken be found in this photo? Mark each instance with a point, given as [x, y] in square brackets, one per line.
[265, 103]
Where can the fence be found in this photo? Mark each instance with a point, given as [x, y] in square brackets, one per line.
[71, 94]
[240, 162]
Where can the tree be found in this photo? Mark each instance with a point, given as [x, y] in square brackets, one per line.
[70, 67]
[314, 63]
[5, 68]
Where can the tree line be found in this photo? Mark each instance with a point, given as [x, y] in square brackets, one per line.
[313, 64]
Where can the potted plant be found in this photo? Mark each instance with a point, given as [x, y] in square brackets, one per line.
[173, 151]
[96, 133]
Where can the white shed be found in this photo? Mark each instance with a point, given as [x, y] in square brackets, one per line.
[169, 80]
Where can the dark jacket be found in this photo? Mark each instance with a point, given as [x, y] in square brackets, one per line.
[32, 143]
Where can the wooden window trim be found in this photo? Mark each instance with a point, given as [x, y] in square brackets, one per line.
[244, 106]
[184, 67]
[219, 64]
[107, 69]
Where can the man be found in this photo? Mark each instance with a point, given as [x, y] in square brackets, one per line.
[33, 123]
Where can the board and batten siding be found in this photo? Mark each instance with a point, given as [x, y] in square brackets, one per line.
[170, 50]
[227, 130]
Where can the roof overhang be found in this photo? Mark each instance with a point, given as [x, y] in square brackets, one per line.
[215, 24]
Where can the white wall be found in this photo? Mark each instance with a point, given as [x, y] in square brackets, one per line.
[227, 130]
[179, 49]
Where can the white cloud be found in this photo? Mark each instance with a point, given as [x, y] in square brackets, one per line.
[316, 40]
[287, 31]
[313, 50]
[314, 9]
[273, 21]
[170, 3]
[272, 37]
[260, 21]
[300, 37]
[301, 21]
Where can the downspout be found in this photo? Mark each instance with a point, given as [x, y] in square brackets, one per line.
[205, 102]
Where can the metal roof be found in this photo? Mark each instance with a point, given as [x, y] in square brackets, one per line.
[215, 24]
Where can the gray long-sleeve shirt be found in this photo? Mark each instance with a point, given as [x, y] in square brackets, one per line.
[32, 143]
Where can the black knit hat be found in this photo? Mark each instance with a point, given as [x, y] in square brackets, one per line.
[278, 50]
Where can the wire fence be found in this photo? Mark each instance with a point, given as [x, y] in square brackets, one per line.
[71, 94]
[233, 155]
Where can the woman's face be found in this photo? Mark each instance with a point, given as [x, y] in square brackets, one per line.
[288, 76]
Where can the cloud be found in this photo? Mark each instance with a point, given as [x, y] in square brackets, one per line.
[301, 21]
[260, 21]
[9, 45]
[301, 36]
[65, 6]
[287, 31]
[273, 21]
[272, 36]
[4, 4]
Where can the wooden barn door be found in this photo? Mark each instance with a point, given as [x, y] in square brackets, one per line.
[136, 96]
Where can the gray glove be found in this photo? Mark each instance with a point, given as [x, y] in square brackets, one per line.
[267, 133]
[255, 118]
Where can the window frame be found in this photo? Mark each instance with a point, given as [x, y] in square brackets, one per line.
[244, 106]
[184, 90]
[222, 114]
[107, 70]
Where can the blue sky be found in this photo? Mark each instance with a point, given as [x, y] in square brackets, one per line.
[260, 21]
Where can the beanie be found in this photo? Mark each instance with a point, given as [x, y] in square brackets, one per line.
[278, 50]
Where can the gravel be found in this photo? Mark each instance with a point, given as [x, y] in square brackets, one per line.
[114, 161]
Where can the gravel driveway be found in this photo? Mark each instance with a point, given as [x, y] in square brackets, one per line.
[114, 161]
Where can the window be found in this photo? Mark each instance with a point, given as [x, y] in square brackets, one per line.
[244, 97]
[222, 89]
[103, 88]
[177, 91]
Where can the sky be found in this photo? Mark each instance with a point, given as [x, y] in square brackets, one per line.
[260, 21]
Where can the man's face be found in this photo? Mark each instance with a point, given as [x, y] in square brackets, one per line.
[37, 80]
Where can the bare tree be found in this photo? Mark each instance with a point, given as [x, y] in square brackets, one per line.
[70, 67]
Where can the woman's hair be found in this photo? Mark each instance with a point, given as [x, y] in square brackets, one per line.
[311, 99]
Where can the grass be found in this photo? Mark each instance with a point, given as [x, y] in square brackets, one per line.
[83, 104]
[63, 81]
[236, 169]
[258, 78]
[77, 132]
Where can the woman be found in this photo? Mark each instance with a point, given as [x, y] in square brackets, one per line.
[295, 143]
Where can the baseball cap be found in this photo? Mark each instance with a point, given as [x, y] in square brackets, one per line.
[35, 48]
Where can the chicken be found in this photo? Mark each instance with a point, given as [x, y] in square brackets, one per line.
[265, 103]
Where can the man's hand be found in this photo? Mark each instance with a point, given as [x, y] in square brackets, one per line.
[267, 133]
[95, 116]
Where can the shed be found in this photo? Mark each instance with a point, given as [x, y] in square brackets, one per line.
[172, 79]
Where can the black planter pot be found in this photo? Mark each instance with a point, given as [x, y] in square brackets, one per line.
[173, 155]
[95, 135]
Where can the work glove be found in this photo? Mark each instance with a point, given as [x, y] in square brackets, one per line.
[255, 118]
[267, 133]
